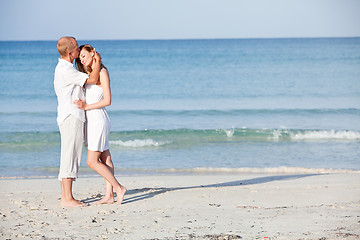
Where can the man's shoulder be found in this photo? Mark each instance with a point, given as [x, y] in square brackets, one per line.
[60, 65]
[64, 67]
[64, 63]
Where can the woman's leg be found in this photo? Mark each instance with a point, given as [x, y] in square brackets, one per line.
[94, 163]
[105, 158]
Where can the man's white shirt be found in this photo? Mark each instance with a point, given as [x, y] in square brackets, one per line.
[68, 84]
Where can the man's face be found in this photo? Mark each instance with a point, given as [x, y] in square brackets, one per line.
[75, 52]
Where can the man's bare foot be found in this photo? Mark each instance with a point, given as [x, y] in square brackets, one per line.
[73, 203]
[120, 194]
[105, 200]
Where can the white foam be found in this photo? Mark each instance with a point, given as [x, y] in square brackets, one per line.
[229, 132]
[323, 135]
[138, 143]
[277, 133]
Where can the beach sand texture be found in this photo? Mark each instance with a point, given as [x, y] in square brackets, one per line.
[219, 206]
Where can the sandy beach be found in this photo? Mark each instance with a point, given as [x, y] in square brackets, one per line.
[219, 206]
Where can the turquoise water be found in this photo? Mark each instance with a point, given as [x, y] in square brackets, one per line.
[195, 105]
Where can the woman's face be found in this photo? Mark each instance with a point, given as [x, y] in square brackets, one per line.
[86, 57]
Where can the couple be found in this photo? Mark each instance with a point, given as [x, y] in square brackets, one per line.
[69, 85]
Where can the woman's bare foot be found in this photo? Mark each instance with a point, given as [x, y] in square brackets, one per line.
[120, 194]
[73, 203]
[105, 200]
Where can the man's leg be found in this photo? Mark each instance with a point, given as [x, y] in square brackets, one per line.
[67, 199]
[71, 132]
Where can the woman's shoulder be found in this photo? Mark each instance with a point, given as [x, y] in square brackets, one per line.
[104, 76]
[104, 73]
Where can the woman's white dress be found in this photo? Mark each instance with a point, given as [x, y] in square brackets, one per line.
[97, 121]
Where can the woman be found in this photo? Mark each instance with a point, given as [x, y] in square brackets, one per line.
[98, 96]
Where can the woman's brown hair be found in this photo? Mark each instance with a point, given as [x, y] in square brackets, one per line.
[78, 63]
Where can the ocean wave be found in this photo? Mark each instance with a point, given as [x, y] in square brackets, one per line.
[183, 138]
[315, 135]
[138, 143]
[180, 138]
[327, 135]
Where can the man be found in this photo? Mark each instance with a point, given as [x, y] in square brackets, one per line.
[68, 84]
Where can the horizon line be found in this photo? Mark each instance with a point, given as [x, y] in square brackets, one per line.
[177, 39]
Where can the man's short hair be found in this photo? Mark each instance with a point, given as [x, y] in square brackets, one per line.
[65, 45]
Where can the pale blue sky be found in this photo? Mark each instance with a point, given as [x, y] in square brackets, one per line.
[177, 19]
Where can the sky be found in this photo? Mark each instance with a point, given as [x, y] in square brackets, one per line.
[177, 19]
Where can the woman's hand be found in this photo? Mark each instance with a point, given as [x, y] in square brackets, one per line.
[97, 56]
[80, 104]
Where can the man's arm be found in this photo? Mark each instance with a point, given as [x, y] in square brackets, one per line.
[95, 74]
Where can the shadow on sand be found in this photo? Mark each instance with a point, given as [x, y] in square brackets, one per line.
[146, 193]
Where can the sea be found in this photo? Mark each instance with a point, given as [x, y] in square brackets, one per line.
[202, 106]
